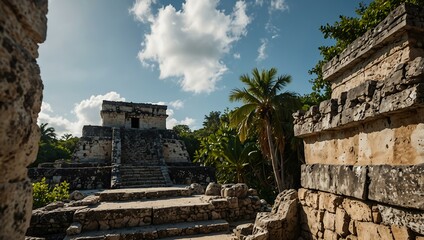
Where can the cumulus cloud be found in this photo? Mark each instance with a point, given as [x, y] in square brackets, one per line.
[142, 10]
[189, 44]
[86, 112]
[171, 121]
[236, 55]
[278, 5]
[262, 50]
[177, 104]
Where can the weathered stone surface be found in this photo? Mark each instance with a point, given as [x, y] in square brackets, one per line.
[343, 180]
[76, 195]
[357, 210]
[243, 230]
[330, 235]
[329, 201]
[74, 229]
[401, 233]
[367, 230]
[281, 222]
[23, 27]
[414, 220]
[213, 189]
[313, 219]
[342, 222]
[397, 185]
[197, 188]
[364, 56]
[329, 221]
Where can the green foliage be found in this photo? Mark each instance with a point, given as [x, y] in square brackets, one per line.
[345, 31]
[266, 113]
[190, 139]
[43, 194]
[51, 148]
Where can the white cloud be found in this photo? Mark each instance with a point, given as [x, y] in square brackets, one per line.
[142, 10]
[278, 5]
[236, 55]
[171, 121]
[189, 44]
[86, 112]
[177, 104]
[262, 50]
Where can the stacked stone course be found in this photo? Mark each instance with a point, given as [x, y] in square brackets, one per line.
[364, 148]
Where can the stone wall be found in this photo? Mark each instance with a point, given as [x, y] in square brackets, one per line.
[141, 147]
[174, 151]
[133, 115]
[79, 178]
[188, 174]
[330, 216]
[396, 40]
[23, 25]
[93, 150]
[364, 148]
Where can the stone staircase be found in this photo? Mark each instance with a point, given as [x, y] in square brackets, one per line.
[144, 176]
[150, 213]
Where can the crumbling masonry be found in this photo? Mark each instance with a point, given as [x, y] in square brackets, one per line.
[364, 148]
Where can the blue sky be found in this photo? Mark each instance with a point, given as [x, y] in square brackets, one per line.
[185, 54]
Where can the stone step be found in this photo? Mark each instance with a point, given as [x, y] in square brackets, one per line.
[140, 193]
[141, 176]
[113, 215]
[157, 231]
[151, 180]
[141, 185]
[147, 183]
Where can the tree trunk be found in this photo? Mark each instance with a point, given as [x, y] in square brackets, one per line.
[274, 160]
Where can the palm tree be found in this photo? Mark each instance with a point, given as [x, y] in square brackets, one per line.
[47, 133]
[262, 113]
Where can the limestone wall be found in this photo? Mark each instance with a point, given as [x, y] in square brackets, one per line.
[23, 25]
[133, 115]
[174, 151]
[93, 150]
[378, 52]
[364, 148]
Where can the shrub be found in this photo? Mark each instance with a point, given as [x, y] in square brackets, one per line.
[43, 194]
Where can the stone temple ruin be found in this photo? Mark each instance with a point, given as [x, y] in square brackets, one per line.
[132, 148]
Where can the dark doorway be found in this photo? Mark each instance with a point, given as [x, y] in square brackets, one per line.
[135, 123]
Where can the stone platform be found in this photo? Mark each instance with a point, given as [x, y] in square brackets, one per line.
[143, 213]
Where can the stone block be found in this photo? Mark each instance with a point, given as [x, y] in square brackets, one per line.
[328, 106]
[372, 231]
[15, 209]
[342, 222]
[397, 185]
[74, 229]
[213, 189]
[352, 227]
[405, 99]
[401, 233]
[329, 221]
[312, 199]
[343, 180]
[330, 235]
[414, 220]
[243, 230]
[270, 223]
[313, 218]
[357, 210]
[329, 202]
